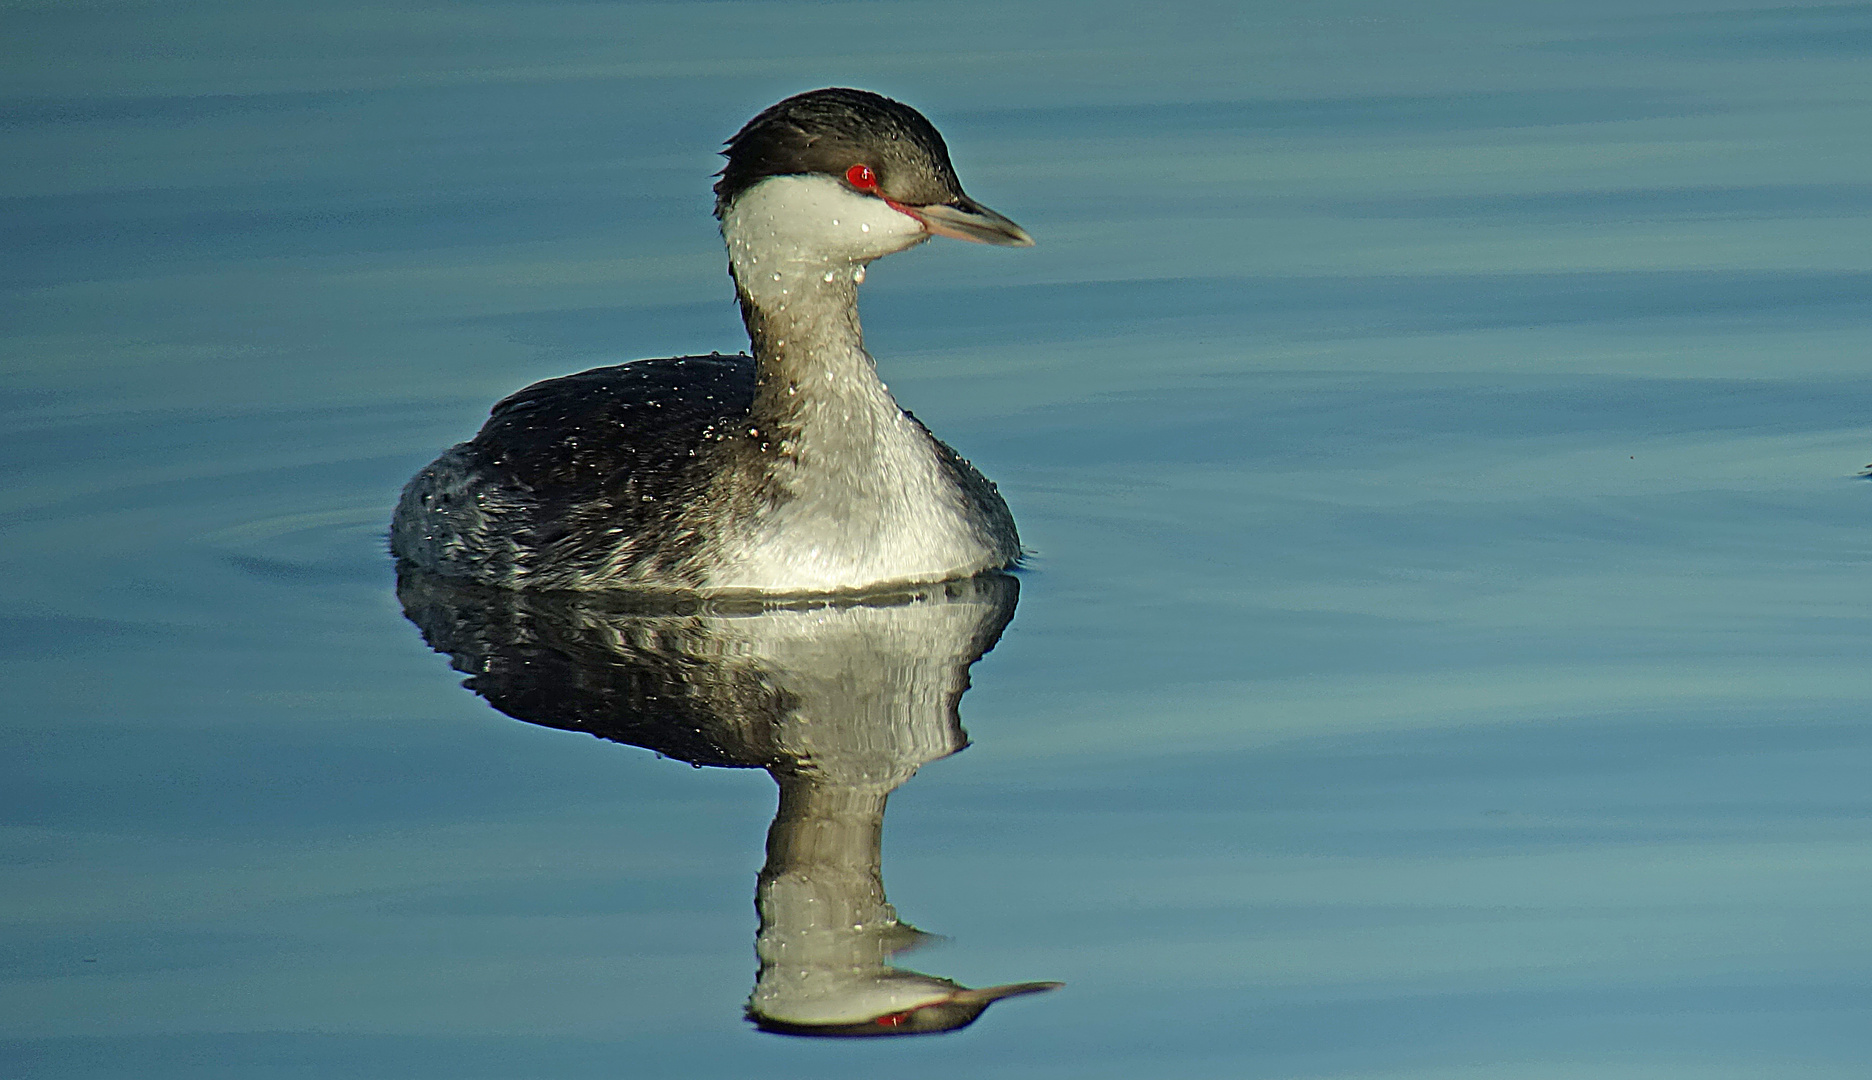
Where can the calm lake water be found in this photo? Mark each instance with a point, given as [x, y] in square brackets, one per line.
[1437, 426]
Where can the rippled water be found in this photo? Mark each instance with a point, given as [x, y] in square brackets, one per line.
[1437, 425]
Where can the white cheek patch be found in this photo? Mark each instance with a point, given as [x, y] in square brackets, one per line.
[813, 219]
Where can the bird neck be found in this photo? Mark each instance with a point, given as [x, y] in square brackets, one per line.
[802, 321]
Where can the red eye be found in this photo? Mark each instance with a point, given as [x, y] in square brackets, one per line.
[892, 1019]
[861, 177]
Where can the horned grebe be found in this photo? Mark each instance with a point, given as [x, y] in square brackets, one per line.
[790, 471]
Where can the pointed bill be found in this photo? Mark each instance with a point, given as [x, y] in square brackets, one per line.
[965, 219]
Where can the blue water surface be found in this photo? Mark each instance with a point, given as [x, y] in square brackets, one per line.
[1436, 426]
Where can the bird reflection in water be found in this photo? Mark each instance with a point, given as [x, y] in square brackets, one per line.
[840, 701]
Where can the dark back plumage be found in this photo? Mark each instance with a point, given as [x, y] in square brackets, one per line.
[615, 451]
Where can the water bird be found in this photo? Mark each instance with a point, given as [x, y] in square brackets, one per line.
[789, 471]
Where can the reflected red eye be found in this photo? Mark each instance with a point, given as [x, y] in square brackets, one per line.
[892, 1019]
[861, 177]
